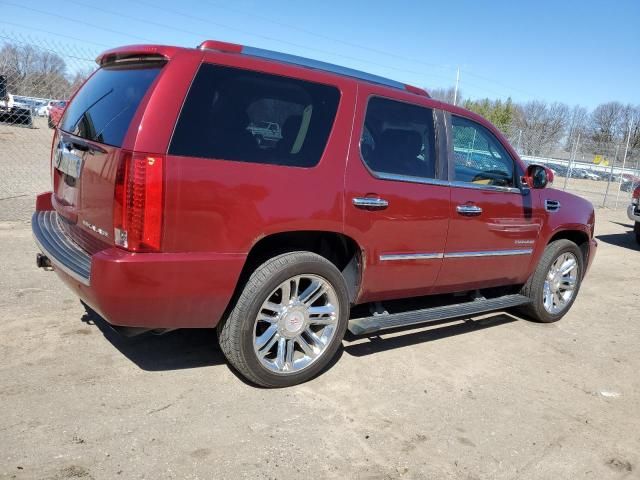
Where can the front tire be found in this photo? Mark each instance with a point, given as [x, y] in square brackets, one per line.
[554, 285]
[288, 322]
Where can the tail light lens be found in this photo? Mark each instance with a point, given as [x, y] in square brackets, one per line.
[138, 202]
[635, 198]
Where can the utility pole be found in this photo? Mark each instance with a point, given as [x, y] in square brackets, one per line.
[455, 93]
[571, 160]
[606, 193]
[624, 160]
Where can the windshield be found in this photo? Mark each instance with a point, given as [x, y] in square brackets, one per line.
[103, 108]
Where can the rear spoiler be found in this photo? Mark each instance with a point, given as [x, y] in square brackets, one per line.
[136, 53]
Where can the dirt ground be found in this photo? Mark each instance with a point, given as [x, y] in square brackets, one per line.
[494, 397]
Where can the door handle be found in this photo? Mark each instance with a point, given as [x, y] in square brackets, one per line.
[469, 210]
[370, 203]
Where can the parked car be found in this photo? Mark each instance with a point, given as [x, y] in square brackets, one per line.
[633, 212]
[560, 170]
[43, 109]
[55, 112]
[629, 183]
[591, 175]
[13, 111]
[166, 213]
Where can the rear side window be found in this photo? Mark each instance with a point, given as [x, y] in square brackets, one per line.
[247, 116]
[103, 108]
[398, 139]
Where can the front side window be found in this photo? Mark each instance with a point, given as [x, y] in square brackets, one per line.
[398, 139]
[247, 116]
[478, 155]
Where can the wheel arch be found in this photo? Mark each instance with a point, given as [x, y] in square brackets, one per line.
[577, 236]
[340, 249]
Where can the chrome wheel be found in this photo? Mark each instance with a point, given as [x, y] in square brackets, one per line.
[295, 324]
[560, 283]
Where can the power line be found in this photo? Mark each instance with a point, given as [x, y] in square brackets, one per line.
[356, 45]
[83, 40]
[76, 20]
[266, 37]
[203, 35]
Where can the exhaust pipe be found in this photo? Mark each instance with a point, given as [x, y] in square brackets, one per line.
[42, 261]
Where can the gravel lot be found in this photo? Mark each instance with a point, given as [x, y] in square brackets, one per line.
[493, 397]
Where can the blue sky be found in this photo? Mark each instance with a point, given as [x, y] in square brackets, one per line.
[584, 52]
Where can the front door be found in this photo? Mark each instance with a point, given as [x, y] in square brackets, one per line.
[397, 201]
[493, 227]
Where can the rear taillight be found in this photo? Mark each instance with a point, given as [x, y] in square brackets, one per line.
[138, 202]
[635, 197]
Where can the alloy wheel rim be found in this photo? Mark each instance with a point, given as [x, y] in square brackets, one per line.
[560, 283]
[296, 324]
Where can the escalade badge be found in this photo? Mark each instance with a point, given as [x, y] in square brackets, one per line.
[98, 230]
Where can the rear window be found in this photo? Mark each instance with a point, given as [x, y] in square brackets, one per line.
[103, 108]
[241, 115]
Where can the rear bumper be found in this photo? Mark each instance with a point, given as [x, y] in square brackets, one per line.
[148, 290]
[631, 213]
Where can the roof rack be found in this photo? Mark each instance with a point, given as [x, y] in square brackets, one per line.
[309, 63]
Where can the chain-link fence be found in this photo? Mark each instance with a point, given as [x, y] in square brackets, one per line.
[603, 172]
[37, 76]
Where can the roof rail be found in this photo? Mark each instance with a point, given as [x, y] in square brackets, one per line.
[309, 63]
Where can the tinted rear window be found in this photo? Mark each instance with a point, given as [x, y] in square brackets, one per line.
[247, 116]
[103, 108]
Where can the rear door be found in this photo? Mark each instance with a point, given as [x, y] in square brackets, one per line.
[87, 149]
[494, 225]
[397, 204]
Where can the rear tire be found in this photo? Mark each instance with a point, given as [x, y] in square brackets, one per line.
[283, 330]
[551, 293]
[636, 230]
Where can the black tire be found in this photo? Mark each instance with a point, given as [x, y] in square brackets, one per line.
[534, 288]
[636, 230]
[50, 123]
[235, 333]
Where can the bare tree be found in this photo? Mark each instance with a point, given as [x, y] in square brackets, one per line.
[576, 125]
[606, 127]
[445, 94]
[542, 125]
[33, 72]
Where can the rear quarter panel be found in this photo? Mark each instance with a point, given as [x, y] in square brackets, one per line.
[226, 206]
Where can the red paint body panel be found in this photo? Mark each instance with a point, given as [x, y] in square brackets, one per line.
[416, 220]
[159, 290]
[216, 210]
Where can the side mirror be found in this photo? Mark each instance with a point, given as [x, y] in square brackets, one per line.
[539, 176]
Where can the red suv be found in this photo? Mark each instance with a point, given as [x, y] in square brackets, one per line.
[167, 212]
[56, 110]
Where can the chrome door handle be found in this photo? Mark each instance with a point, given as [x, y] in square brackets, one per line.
[469, 210]
[370, 203]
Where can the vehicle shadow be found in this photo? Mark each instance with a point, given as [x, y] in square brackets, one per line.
[175, 350]
[624, 240]
[377, 344]
[625, 225]
[198, 348]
